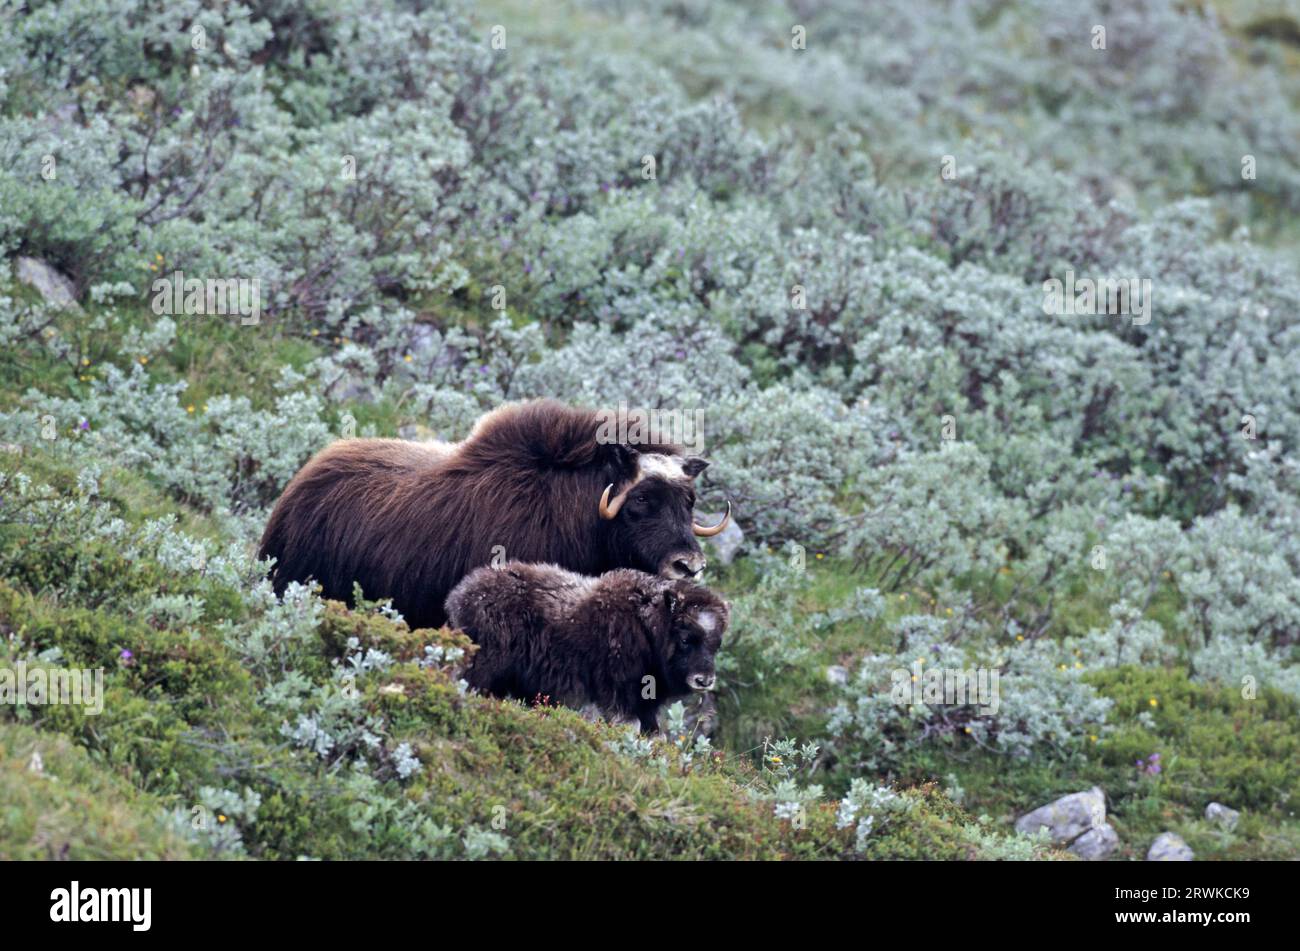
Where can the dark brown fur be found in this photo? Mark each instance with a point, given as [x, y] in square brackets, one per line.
[408, 520]
[607, 641]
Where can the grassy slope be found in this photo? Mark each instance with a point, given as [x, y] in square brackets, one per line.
[1215, 745]
[184, 712]
[57, 802]
[563, 792]
[106, 785]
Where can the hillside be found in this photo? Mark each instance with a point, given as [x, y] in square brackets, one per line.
[836, 253]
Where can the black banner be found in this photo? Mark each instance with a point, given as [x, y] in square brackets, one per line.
[333, 901]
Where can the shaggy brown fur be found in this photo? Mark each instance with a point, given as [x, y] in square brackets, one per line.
[626, 642]
[408, 520]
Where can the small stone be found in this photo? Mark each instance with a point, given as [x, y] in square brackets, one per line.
[64, 115]
[421, 342]
[1067, 818]
[352, 386]
[728, 541]
[837, 675]
[55, 289]
[1097, 843]
[1169, 847]
[1219, 813]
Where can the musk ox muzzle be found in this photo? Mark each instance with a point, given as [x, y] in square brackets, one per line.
[702, 682]
[685, 565]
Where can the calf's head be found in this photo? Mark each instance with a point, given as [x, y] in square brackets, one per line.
[651, 520]
[694, 621]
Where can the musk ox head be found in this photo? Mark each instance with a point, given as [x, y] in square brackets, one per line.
[650, 514]
[696, 620]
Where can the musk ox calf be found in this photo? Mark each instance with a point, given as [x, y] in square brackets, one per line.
[625, 642]
[534, 482]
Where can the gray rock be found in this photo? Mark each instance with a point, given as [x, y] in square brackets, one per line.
[1067, 818]
[1169, 847]
[54, 288]
[837, 675]
[64, 115]
[351, 386]
[1225, 817]
[1097, 843]
[728, 541]
[420, 342]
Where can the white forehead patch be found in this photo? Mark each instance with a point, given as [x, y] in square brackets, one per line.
[707, 620]
[657, 464]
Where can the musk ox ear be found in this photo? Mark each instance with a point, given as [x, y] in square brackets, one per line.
[658, 610]
[654, 607]
[694, 465]
[671, 605]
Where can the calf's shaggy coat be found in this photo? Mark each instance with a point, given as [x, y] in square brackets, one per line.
[625, 642]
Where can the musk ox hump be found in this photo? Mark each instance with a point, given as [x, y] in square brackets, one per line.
[553, 434]
[541, 434]
[369, 455]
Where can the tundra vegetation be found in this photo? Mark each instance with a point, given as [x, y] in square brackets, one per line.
[828, 226]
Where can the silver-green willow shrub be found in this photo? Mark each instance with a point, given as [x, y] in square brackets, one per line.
[1040, 703]
[866, 338]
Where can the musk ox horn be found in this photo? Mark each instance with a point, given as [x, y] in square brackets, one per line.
[707, 532]
[609, 509]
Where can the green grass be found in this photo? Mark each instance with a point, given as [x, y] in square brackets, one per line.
[185, 713]
[1215, 744]
[72, 808]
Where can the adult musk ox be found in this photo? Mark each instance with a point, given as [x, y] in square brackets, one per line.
[625, 642]
[533, 482]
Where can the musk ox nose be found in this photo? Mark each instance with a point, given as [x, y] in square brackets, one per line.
[702, 681]
[688, 566]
